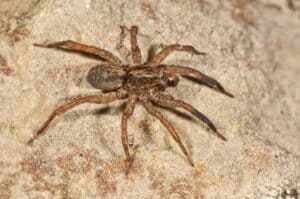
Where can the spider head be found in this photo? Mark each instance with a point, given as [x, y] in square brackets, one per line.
[106, 77]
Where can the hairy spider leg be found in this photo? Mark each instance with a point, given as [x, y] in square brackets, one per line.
[197, 75]
[135, 50]
[162, 55]
[75, 46]
[126, 114]
[98, 99]
[152, 51]
[154, 112]
[169, 102]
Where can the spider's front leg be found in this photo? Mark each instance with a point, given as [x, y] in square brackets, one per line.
[75, 46]
[162, 55]
[154, 112]
[198, 76]
[169, 102]
[98, 99]
[126, 114]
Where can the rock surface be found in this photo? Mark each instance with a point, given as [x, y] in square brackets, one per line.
[252, 49]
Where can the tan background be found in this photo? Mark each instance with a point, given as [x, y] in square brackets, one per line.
[252, 49]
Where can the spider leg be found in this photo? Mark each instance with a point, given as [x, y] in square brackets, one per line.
[75, 46]
[136, 52]
[198, 76]
[161, 56]
[152, 51]
[170, 102]
[154, 112]
[126, 114]
[98, 99]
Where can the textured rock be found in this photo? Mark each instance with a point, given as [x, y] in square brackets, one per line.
[252, 49]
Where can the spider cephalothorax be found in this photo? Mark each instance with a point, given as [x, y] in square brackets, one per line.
[141, 82]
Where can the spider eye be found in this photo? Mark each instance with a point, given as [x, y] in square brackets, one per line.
[172, 79]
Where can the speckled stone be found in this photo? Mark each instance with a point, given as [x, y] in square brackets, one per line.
[252, 49]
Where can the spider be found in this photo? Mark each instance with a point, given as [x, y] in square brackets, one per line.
[141, 82]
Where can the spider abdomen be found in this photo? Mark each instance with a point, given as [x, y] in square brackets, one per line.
[106, 77]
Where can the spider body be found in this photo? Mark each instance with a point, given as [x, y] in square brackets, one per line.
[140, 82]
[142, 78]
[108, 78]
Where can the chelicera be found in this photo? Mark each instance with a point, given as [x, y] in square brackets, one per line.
[140, 82]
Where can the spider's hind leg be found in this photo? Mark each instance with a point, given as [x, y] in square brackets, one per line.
[98, 99]
[126, 114]
[83, 48]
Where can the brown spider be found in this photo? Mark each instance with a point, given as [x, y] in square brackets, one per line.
[142, 82]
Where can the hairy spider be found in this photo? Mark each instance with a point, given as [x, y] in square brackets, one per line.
[141, 82]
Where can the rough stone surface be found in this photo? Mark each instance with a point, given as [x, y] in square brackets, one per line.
[252, 48]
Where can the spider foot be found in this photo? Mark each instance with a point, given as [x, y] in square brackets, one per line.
[212, 83]
[189, 49]
[220, 135]
[45, 44]
[128, 164]
[191, 161]
[30, 141]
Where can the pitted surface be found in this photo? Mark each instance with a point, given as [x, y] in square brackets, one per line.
[248, 48]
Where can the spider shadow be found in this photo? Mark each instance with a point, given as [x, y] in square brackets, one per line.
[180, 130]
[180, 114]
[72, 116]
